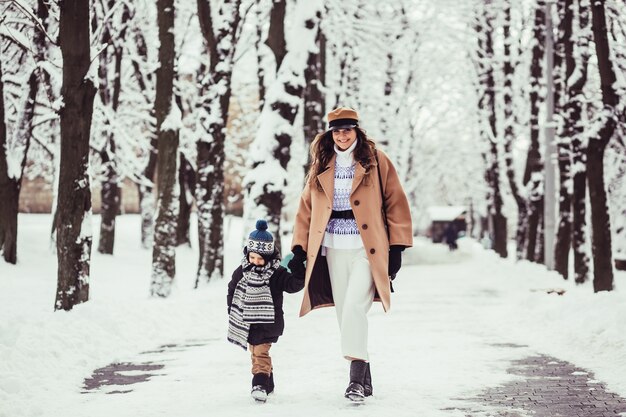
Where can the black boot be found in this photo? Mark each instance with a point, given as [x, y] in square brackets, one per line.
[367, 382]
[355, 390]
[270, 383]
[260, 387]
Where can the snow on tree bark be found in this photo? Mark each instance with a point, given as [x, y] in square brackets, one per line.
[533, 176]
[168, 126]
[187, 185]
[270, 152]
[146, 185]
[13, 151]
[315, 79]
[486, 105]
[110, 97]
[259, 54]
[509, 136]
[574, 129]
[563, 68]
[219, 31]
[600, 219]
[8, 191]
[74, 196]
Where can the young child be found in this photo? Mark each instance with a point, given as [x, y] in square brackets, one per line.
[255, 303]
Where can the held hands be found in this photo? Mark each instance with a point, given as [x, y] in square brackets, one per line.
[299, 255]
[296, 264]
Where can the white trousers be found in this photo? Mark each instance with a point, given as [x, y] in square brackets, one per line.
[353, 291]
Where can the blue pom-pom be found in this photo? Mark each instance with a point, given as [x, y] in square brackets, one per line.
[261, 225]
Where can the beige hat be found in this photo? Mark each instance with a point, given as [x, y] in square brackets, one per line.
[342, 118]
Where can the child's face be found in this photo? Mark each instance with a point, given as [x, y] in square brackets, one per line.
[256, 259]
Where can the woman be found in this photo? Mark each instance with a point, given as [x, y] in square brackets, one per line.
[340, 230]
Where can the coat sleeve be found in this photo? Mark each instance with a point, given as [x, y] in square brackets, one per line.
[396, 203]
[237, 275]
[290, 282]
[303, 219]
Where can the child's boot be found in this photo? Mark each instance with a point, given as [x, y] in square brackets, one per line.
[260, 387]
[270, 383]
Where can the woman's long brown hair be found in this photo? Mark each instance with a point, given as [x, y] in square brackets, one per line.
[323, 149]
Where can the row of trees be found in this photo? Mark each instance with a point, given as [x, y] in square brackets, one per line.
[588, 119]
[147, 92]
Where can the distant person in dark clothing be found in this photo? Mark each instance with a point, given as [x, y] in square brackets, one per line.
[450, 236]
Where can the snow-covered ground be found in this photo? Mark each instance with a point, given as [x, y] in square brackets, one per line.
[445, 337]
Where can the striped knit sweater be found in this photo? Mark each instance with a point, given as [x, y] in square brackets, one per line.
[343, 233]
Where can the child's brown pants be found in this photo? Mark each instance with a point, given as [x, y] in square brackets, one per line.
[261, 361]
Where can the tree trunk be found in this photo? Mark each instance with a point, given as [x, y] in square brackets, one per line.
[314, 76]
[187, 185]
[110, 203]
[259, 55]
[216, 91]
[8, 192]
[11, 175]
[600, 220]
[509, 136]
[264, 194]
[74, 195]
[168, 125]
[533, 174]
[276, 35]
[563, 55]
[575, 130]
[489, 133]
[146, 186]
[110, 193]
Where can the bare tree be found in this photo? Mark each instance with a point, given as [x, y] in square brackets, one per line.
[486, 105]
[533, 177]
[315, 79]
[145, 80]
[219, 30]
[74, 195]
[168, 125]
[575, 129]
[113, 37]
[264, 184]
[509, 135]
[12, 168]
[563, 69]
[600, 220]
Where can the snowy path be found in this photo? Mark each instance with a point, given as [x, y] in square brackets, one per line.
[458, 323]
[439, 353]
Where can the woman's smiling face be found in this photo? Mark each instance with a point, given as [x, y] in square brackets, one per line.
[344, 138]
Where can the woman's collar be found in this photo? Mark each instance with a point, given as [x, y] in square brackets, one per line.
[346, 157]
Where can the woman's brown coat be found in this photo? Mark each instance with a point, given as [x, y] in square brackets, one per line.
[313, 215]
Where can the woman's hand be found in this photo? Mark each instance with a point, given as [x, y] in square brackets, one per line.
[395, 260]
[296, 264]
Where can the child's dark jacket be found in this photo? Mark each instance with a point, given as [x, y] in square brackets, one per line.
[280, 281]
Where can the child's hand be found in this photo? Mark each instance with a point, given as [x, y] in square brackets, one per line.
[298, 254]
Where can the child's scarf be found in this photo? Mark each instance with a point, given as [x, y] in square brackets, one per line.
[252, 301]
